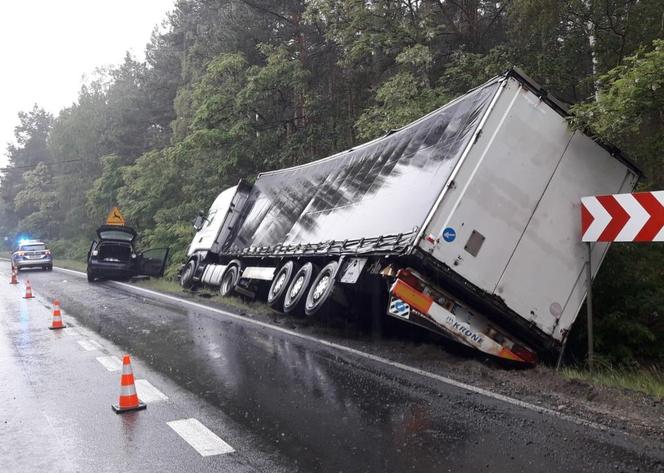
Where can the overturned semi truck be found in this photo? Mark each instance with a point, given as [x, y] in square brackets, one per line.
[465, 222]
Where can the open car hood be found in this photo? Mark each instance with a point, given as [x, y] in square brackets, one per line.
[116, 233]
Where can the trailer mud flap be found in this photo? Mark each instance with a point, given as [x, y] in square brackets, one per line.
[407, 302]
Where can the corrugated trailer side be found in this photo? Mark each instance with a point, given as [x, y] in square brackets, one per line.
[508, 226]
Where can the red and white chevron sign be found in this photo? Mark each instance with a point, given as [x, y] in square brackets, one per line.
[623, 217]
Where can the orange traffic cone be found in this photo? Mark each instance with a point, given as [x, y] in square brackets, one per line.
[128, 398]
[13, 279]
[57, 317]
[28, 290]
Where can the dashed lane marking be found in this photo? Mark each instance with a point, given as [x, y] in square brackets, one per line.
[96, 344]
[111, 363]
[88, 345]
[368, 356]
[147, 392]
[202, 439]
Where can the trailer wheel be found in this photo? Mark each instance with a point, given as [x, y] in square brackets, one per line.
[277, 292]
[229, 279]
[297, 289]
[321, 289]
[187, 278]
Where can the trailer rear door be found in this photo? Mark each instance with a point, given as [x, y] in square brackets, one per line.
[510, 223]
[545, 278]
[483, 215]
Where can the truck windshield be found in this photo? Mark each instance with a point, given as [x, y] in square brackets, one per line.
[210, 218]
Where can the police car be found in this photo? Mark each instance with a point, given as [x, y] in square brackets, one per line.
[32, 254]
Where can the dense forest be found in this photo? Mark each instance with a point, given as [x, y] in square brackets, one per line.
[230, 88]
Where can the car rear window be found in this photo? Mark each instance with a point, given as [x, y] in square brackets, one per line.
[32, 247]
[116, 235]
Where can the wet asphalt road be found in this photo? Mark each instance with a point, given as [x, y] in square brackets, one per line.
[282, 402]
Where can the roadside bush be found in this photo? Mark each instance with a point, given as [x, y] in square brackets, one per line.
[70, 249]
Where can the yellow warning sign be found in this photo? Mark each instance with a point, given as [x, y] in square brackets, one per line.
[115, 217]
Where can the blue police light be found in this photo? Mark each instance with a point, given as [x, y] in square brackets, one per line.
[22, 240]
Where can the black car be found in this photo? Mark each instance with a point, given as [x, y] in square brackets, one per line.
[113, 255]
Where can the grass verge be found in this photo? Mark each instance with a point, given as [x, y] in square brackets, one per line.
[172, 287]
[645, 380]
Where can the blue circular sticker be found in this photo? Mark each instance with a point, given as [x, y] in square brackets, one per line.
[449, 234]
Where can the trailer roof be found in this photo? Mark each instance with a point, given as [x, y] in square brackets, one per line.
[380, 189]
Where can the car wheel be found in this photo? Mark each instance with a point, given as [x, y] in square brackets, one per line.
[49, 268]
[321, 289]
[187, 278]
[298, 288]
[91, 276]
[277, 292]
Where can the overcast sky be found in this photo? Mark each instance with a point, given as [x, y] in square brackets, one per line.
[48, 46]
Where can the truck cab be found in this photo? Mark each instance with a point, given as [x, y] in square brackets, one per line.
[213, 231]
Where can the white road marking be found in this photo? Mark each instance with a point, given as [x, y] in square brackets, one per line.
[96, 344]
[87, 345]
[147, 392]
[111, 363]
[368, 356]
[202, 439]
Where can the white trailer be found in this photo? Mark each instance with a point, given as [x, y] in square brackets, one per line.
[467, 220]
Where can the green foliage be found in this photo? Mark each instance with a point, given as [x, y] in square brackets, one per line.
[150, 184]
[550, 41]
[648, 380]
[403, 97]
[73, 250]
[400, 100]
[629, 110]
[628, 299]
[36, 202]
[231, 88]
[103, 194]
[467, 70]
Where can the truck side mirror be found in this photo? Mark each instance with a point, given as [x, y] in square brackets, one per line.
[198, 223]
